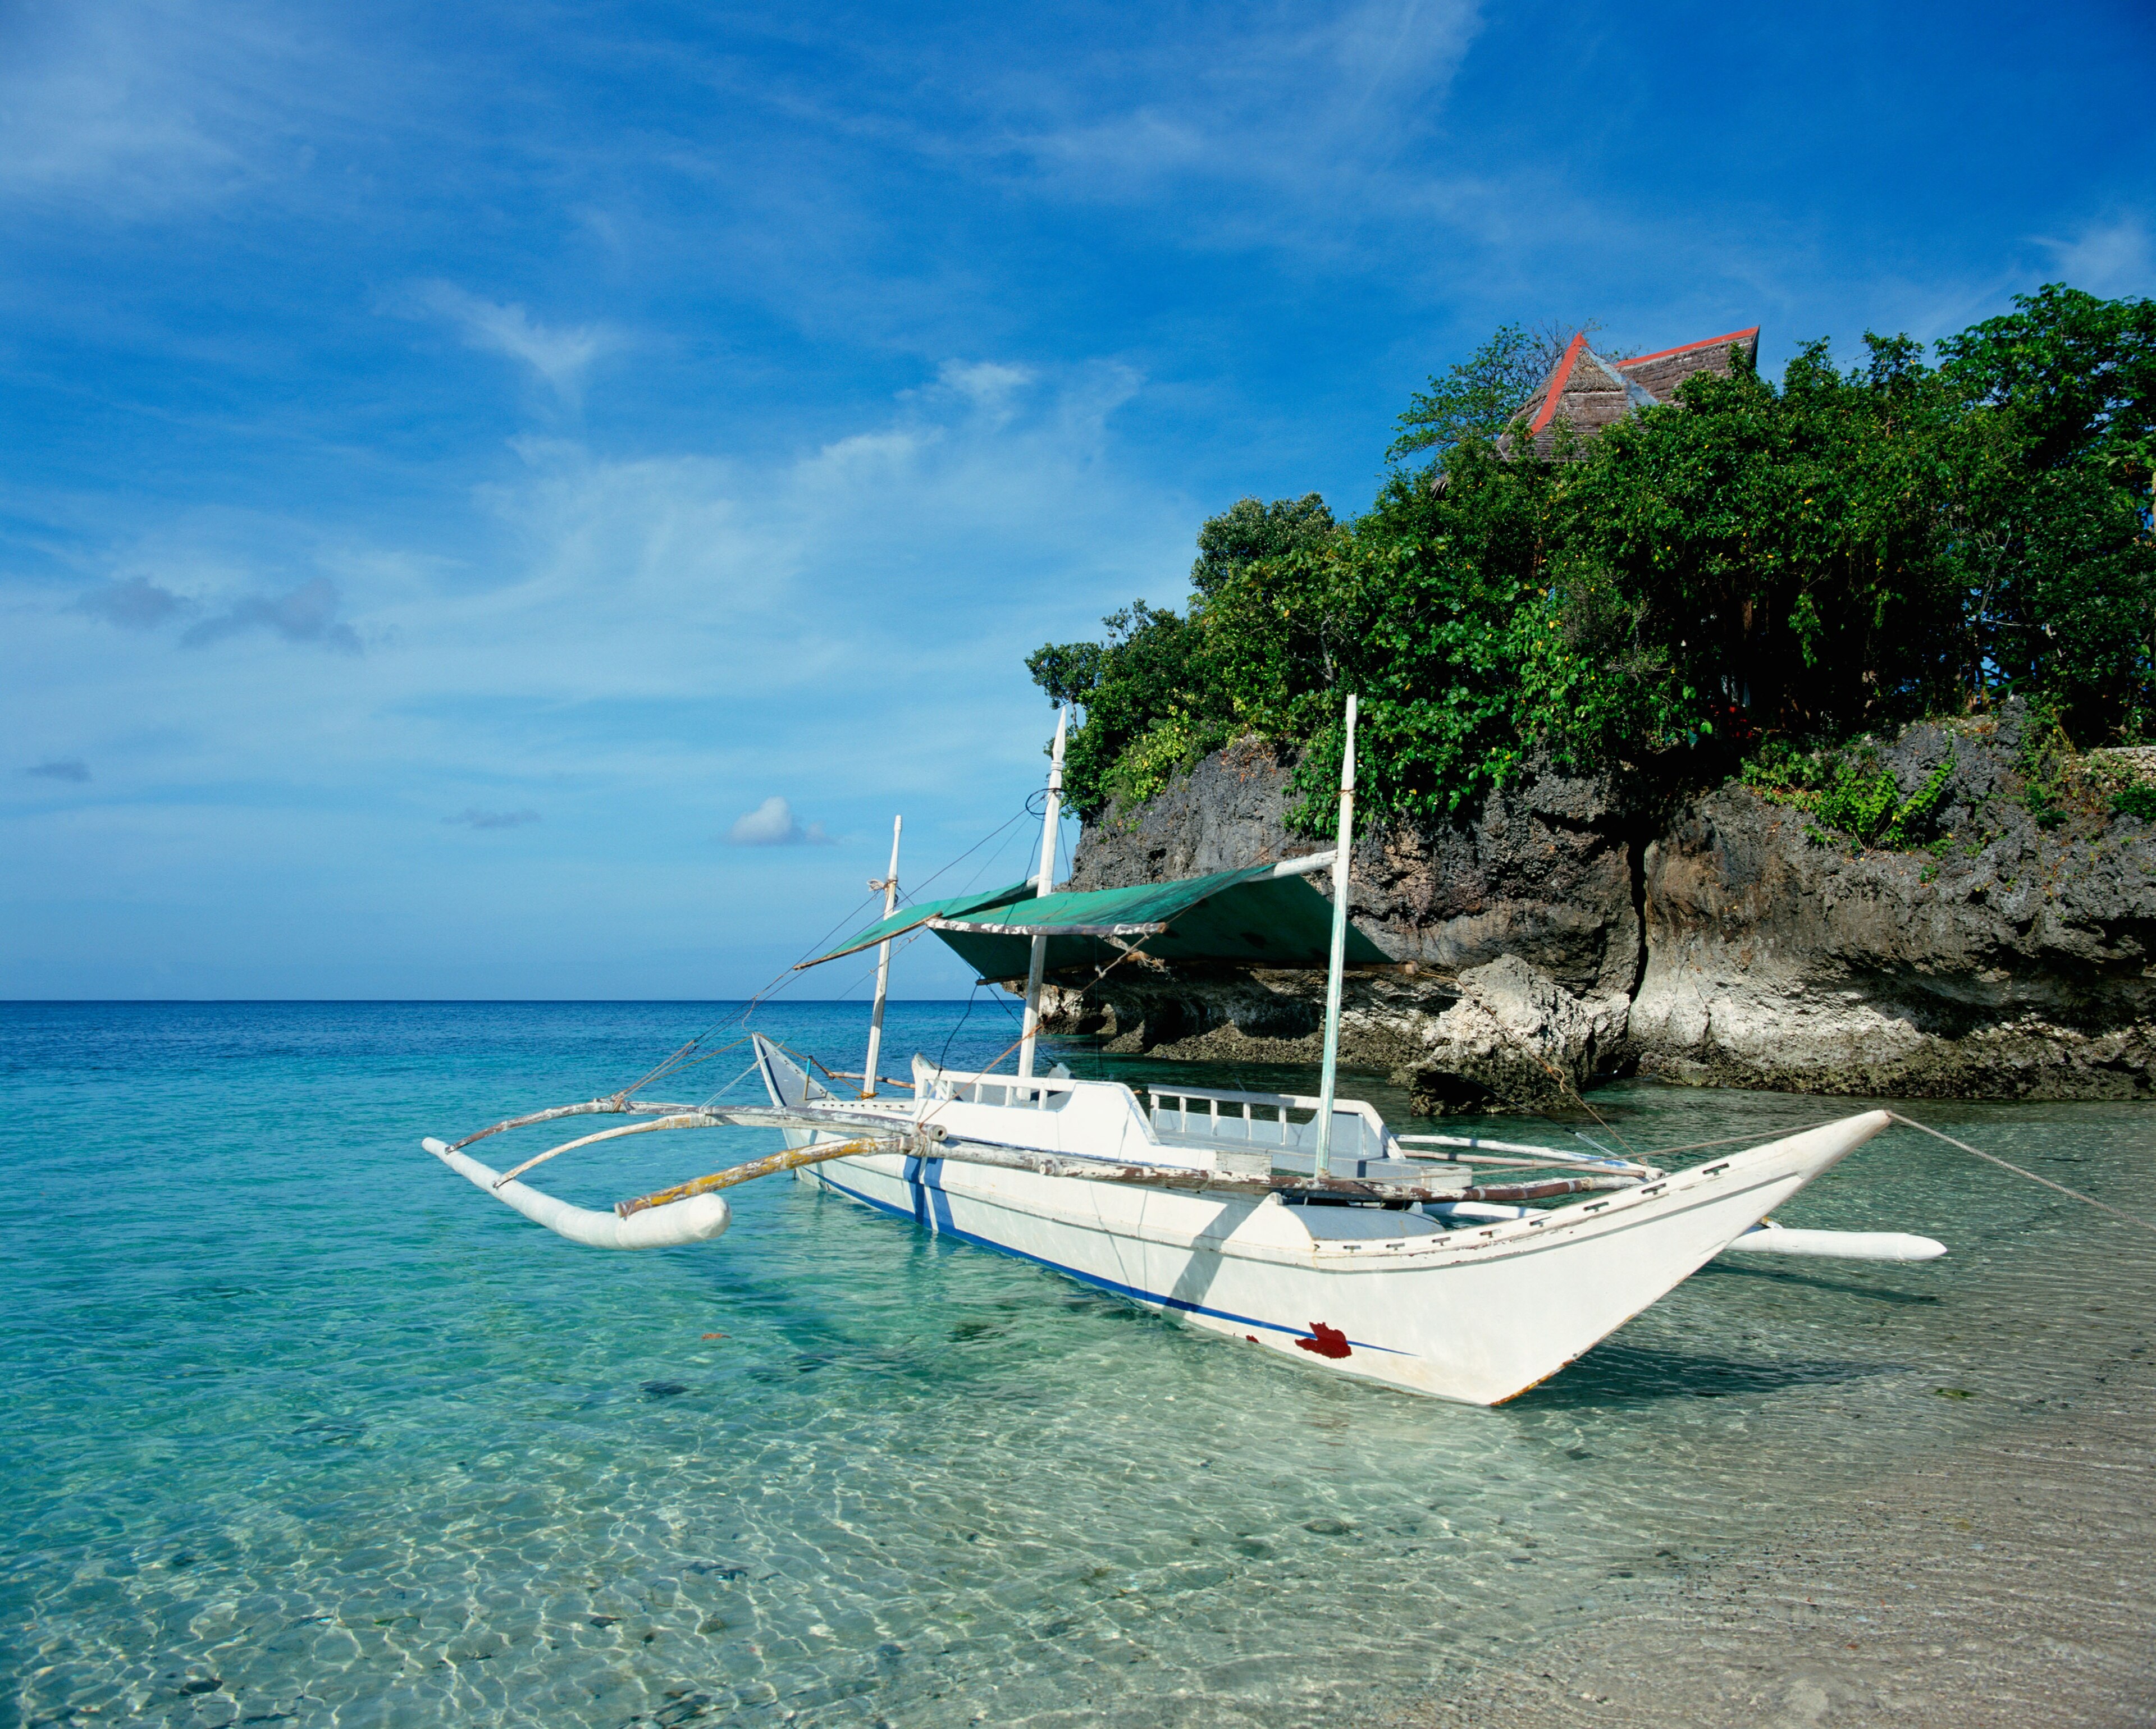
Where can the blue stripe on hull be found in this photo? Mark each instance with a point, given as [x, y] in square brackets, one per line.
[937, 1218]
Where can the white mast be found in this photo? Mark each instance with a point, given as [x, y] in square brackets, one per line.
[1042, 885]
[890, 887]
[1340, 851]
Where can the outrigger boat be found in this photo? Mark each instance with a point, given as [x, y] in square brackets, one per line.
[1302, 1224]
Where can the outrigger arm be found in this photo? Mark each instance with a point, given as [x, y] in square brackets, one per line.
[694, 1212]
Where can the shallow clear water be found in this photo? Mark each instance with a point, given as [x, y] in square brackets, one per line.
[302, 1429]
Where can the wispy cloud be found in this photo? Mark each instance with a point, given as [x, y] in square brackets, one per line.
[558, 355]
[304, 615]
[1300, 102]
[2107, 257]
[61, 768]
[472, 817]
[989, 384]
[773, 823]
[140, 108]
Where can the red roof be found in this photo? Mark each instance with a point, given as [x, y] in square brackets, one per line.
[1553, 390]
[1686, 348]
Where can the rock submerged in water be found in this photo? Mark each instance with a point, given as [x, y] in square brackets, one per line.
[1722, 939]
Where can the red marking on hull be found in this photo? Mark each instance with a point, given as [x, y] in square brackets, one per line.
[1326, 1341]
[1252, 1337]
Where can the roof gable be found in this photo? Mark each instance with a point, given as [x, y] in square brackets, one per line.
[1590, 391]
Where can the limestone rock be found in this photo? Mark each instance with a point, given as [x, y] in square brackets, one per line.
[1723, 939]
[1546, 871]
[1515, 1039]
[2010, 961]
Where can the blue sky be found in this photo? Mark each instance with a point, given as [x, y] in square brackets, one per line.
[462, 464]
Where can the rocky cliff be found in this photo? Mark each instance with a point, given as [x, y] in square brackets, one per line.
[1573, 929]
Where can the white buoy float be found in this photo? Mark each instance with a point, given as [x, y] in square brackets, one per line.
[1767, 1239]
[696, 1219]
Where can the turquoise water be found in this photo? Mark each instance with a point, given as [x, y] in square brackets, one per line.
[303, 1429]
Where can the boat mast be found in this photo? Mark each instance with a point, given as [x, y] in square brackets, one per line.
[1340, 851]
[890, 887]
[1042, 885]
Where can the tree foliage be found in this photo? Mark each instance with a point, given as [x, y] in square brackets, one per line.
[1793, 563]
[1475, 399]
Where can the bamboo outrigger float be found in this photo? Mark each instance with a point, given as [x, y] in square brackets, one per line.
[1302, 1224]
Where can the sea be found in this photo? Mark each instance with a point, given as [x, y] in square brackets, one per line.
[303, 1429]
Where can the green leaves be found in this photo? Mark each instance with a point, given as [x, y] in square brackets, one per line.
[1853, 794]
[1843, 553]
[2059, 400]
[1248, 530]
[1475, 399]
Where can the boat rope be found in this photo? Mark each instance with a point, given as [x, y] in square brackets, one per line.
[1750, 1139]
[714, 1098]
[687, 1056]
[971, 997]
[1994, 1158]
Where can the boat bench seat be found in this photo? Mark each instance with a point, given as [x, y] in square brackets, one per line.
[1363, 1225]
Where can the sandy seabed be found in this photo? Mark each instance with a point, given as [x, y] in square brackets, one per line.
[2010, 1584]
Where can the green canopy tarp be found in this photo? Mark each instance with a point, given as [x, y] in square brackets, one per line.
[1252, 917]
[906, 917]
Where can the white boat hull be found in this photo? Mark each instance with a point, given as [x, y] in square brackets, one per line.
[1479, 1313]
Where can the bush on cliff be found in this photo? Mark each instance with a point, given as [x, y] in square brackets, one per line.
[1844, 553]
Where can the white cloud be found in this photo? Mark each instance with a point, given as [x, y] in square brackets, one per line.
[2107, 258]
[472, 817]
[559, 354]
[773, 824]
[985, 383]
[133, 107]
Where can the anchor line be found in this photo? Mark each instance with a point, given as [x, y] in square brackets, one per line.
[1994, 1158]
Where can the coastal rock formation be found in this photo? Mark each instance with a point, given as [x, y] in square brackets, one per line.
[1546, 873]
[2007, 961]
[1724, 938]
[1501, 1036]
[1515, 1039]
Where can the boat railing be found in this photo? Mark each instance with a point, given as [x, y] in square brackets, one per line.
[1042, 1092]
[1288, 1121]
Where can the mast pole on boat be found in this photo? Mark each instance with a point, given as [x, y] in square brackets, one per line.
[1045, 881]
[883, 967]
[1341, 847]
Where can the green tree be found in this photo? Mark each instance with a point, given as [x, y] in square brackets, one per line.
[1248, 530]
[1788, 549]
[1149, 704]
[2063, 592]
[1473, 400]
[1842, 552]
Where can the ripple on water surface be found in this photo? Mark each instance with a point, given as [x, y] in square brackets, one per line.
[308, 1431]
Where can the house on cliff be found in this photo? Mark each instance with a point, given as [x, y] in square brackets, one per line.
[1589, 391]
